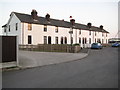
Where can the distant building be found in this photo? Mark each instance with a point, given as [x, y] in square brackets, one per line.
[113, 40]
[33, 29]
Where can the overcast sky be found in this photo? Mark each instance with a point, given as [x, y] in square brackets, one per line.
[98, 12]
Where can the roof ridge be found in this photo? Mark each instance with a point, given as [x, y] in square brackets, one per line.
[54, 22]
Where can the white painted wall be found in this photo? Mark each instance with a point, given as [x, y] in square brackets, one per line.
[13, 32]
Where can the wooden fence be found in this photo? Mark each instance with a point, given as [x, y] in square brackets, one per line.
[51, 48]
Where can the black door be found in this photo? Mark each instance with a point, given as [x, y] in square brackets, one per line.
[49, 40]
[29, 39]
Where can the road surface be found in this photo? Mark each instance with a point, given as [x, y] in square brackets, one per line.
[98, 70]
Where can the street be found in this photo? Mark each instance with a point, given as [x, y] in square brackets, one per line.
[98, 70]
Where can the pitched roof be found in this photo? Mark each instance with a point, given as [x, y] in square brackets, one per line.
[54, 22]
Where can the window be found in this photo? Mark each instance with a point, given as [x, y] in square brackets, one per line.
[61, 40]
[79, 40]
[45, 28]
[45, 39]
[4, 29]
[56, 29]
[95, 40]
[29, 26]
[102, 41]
[106, 34]
[106, 40]
[71, 40]
[89, 32]
[65, 40]
[102, 34]
[85, 40]
[29, 39]
[56, 40]
[99, 41]
[95, 33]
[9, 28]
[16, 26]
[89, 40]
[80, 32]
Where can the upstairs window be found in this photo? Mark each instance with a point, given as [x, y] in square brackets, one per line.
[80, 32]
[45, 28]
[106, 34]
[16, 26]
[56, 29]
[89, 32]
[29, 27]
[102, 34]
[95, 33]
[9, 28]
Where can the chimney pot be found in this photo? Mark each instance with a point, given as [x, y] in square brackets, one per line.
[101, 26]
[47, 17]
[34, 14]
[89, 25]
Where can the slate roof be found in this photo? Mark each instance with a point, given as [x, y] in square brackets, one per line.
[54, 22]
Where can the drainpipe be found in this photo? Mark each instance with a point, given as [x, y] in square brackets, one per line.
[22, 33]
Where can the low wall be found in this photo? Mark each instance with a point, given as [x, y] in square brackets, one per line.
[51, 48]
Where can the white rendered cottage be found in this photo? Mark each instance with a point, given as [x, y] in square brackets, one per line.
[33, 29]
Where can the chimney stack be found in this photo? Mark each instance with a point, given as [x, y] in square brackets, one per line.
[89, 25]
[34, 14]
[101, 26]
[47, 17]
[72, 21]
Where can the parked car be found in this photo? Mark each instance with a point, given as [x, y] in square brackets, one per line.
[116, 44]
[96, 46]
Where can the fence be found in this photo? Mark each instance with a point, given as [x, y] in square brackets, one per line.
[51, 48]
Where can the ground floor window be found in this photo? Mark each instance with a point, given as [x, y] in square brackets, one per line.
[89, 40]
[106, 40]
[65, 40]
[79, 40]
[29, 39]
[85, 40]
[95, 40]
[102, 41]
[71, 40]
[45, 39]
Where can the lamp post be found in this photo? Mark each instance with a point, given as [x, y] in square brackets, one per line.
[71, 32]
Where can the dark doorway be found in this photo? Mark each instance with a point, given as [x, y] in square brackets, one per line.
[65, 40]
[29, 39]
[61, 40]
[49, 40]
[83, 41]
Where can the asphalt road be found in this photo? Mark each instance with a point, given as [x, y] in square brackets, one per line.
[98, 70]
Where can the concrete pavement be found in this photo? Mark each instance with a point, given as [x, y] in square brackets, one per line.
[29, 59]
